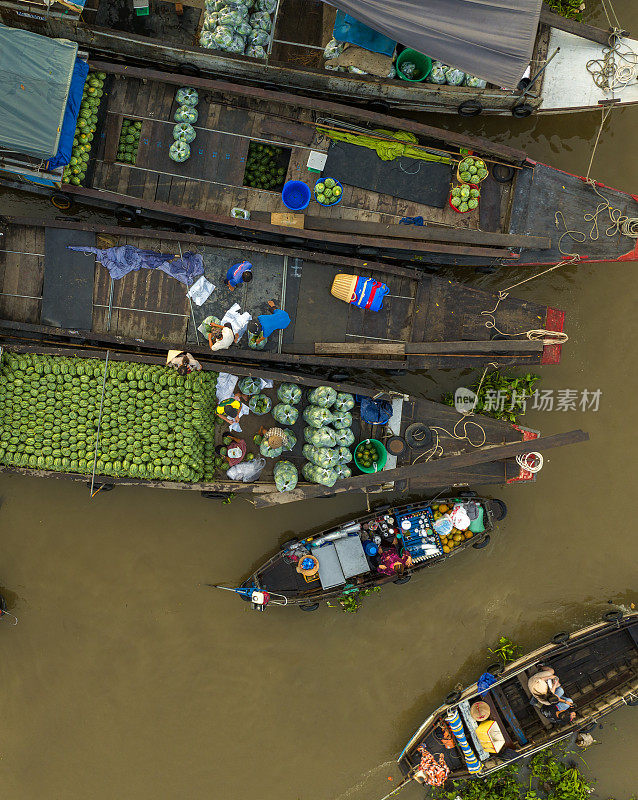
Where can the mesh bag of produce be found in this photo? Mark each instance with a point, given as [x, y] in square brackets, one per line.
[207, 39]
[270, 452]
[179, 152]
[260, 404]
[258, 38]
[321, 437]
[210, 6]
[290, 440]
[255, 51]
[317, 417]
[238, 45]
[223, 36]
[289, 393]
[315, 474]
[342, 419]
[344, 402]
[249, 386]
[285, 414]
[184, 132]
[266, 5]
[323, 396]
[186, 114]
[437, 74]
[333, 49]
[342, 472]
[454, 77]
[324, 457]
[344, 437]
[474, 82]
[345, 456]
[211, 21]
[243, 29]
[285, 475]
[260, 19]
[231, 17]
[187, 96]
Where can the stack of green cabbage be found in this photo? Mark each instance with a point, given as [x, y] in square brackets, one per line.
[238, 26]
[328, 436]
[155, 424]
[185, 117]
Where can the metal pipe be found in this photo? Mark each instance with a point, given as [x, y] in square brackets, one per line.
[99, 422]
[538, 74]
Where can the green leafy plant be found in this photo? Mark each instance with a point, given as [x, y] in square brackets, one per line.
[511, 387]
[350, 600]
[506, 650]
[570, 9]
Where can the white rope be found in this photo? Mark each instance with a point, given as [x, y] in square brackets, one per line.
[617, 67]
[532, 462]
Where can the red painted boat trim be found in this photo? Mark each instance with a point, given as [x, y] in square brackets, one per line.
[555, 321]
[524, 474]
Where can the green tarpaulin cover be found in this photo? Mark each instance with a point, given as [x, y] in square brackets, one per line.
[35, 75]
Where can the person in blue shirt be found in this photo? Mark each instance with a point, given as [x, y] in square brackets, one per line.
[277, 320]
[238, 274]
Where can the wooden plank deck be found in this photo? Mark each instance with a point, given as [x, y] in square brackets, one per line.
[21, 273]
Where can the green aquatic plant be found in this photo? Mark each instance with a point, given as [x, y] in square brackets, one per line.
[501, 396]
[350, 600]
[506, 650]
[570, 9]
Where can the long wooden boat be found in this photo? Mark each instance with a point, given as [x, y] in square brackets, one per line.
[452, 459]
[295, 58]
[426, 322]
[598, 669]
[524, 211]
[344, 564]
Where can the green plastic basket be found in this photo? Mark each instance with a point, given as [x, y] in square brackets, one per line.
[423, 65]
[382, 452]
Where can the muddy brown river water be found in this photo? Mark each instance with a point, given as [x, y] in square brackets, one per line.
[127, 677]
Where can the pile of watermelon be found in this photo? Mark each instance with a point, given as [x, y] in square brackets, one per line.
[155, 424]
[75, 171]
[129, 141]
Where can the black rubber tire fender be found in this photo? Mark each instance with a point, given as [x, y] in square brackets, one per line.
[452, 697]
[309, 607]
[499, 509]
[470, 108]
[61, 201]
[482, 543]
[560, 638]
[403, 579]
[503, 173]
[496, 669]
[125, 214]
[213, 495]
[467, 494]
[632, 703]
[613, 616]
[192, 70]
[190, 227]
[522, 110]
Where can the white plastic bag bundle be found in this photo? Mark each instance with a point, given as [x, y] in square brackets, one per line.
[437, 74]
[247, 471]
[321, 437]
[342, 419]
[315, 474]
[289, 393]
[323, 396]
[317, 417]
[321, 456]
[285, 414]
[344, 402]
[454, 76]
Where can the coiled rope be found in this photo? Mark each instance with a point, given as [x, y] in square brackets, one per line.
[532, 462]
[617, 67]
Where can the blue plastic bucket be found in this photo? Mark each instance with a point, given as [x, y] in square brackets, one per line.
[296, 195]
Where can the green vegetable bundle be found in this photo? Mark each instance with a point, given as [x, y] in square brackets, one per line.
[155, 424]
[129, 141]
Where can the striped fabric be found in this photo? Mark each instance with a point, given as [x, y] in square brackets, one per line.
[369, 294]
[454, 721]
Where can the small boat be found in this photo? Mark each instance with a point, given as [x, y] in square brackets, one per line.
[598, 669]
[391, 206]
[426, 321]
[301, 29]
[344, 558]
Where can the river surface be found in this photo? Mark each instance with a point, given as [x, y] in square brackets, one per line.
[127, 677]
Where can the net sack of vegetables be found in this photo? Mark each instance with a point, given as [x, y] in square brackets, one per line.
[255, 51]
[211, 21]
[285, 475]
[454, 76]
[323, 396]
[324, 457]
[344, 402]
[207, 39]
[179, 152]
[223, 36]
[289, 393]
[345, 456]
[285, 414]
[317, 417]
[260, 404]
[270, 452]
[187, 96]
[321, 437]
[342, 419]
[290, 440]
[437, 74]
[238, 44]
[342, 472]
[315, 474]
[266, 5]
[231, 17]
[243, 29]
[260, 19]
[258, 38]
[474, 82]
[186, 114]
[344, 437]
[249, 386]
[184, 132]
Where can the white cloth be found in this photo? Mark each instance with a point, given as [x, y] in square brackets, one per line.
[235, 425]
[225, 386]
[266, 384]
[200, 291]
[228, 337]
[238, 319]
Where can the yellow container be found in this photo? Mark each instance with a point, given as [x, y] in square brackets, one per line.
[343, 287]
[490, 736]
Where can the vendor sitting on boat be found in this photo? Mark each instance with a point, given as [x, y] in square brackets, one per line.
[549, 696]
[391, 563]
[221, 336]
[182, 362]
[230, 409]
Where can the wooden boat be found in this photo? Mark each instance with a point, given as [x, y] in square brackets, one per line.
[295, 56]
[426, 322]
[345, 566]
[518, 220]
[598, 669]
[449, 459]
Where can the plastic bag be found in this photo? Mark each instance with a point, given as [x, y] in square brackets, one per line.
[333, 49]
[258, 38]
[344, 402]
[323, 396]
[179, 152]
[210, 6]
[345, 456]
[285, 414]
[243, 29]
[184, 132]
[342, 419]
[238, 44]
[210, 21]
[321, 437]
[223, 36]
[289, 393]
[454, 76]
[324, 457]
[255, 51]
[344, 437]
[285, 475]
[437, 74]
[474, 82]
[409, 69]
[260, 404]
[290, 440]
[231, 17]
[186, 113]
[270, 452]
[260, 19]
[268, 6]
[342, 472]
[207, 39]
[315, 474]
[187, 96]
[247, 471]
[317, 417]
[249, 386]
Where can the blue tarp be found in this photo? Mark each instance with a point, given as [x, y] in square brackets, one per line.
[78, 79]
[349, 29]
[124, 259]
